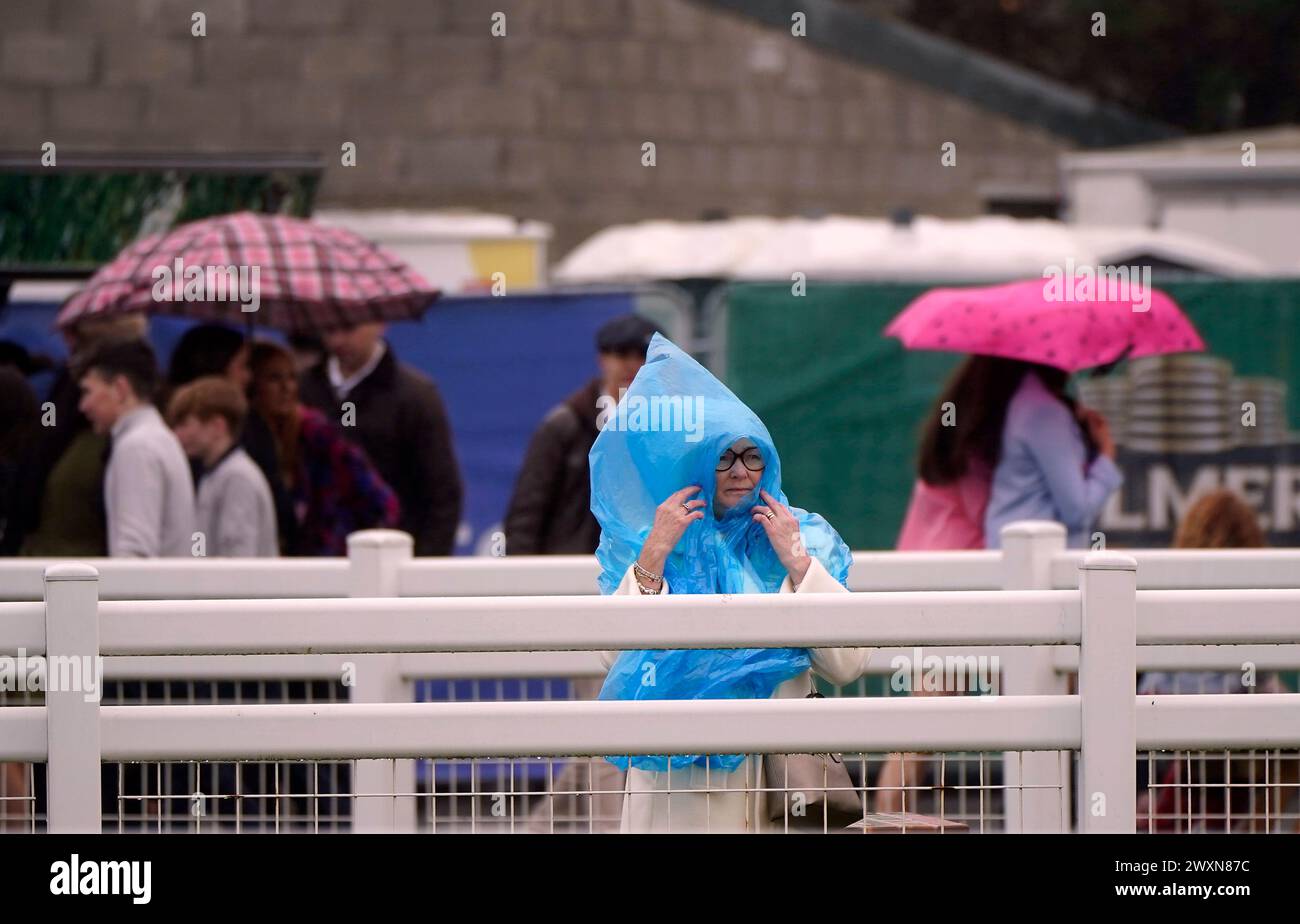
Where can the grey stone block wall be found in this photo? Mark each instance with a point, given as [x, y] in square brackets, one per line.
[545, 123]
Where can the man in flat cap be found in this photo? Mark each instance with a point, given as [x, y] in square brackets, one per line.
[550, 511]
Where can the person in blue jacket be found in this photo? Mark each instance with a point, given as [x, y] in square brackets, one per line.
[1057, 459]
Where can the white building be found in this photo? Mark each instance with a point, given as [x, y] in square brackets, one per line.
[1240, 189]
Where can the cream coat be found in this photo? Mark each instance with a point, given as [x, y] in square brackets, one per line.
[703, 800]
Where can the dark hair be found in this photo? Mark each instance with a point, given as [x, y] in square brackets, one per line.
[980, 389]
[15, 354]
[627, 333]
[265, 352]
[305, 341]
[132, 359]
[19, 416]
[204, 350]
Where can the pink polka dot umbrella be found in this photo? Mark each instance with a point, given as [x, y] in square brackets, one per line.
[1070, 324]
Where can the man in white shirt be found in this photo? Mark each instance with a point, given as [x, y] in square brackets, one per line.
[148, 490]
[236, 513]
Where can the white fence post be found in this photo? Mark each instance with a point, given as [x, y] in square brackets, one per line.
[72, 715]
[1108, 694]
[376, 557]
[1037, 782]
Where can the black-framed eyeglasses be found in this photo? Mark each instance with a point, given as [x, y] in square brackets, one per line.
[751, 458]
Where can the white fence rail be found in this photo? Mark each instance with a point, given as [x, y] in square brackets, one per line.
[1107, 617]
[1033, 555]
[145, 640]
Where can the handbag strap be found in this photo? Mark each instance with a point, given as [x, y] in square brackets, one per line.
[813, 694]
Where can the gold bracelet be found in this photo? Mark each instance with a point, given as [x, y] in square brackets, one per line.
[647, 591]
[642, 572]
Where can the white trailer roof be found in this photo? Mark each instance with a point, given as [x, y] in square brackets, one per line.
[990, 247]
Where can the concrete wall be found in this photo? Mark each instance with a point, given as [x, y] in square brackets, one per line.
[546, 122]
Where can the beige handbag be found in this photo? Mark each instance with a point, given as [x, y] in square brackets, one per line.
[828, 793]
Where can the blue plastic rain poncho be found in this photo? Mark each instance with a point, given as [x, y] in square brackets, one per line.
[667, 432]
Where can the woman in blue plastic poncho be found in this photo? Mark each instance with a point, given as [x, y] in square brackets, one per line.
[686, 485]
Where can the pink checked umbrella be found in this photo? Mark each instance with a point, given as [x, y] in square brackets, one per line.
[1032, 322]
[292, 274]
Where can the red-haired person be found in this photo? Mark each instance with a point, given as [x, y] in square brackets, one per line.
[334, 488]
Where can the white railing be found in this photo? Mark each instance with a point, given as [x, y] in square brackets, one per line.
[380, 564]
[1033, 557]
[1107, 617]
[1033, 554]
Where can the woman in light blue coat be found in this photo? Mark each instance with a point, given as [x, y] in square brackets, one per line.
[1056, 460]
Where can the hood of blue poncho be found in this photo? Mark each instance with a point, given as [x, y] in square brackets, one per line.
[667, 432]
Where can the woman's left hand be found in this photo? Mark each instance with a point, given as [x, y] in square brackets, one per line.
[783, 532]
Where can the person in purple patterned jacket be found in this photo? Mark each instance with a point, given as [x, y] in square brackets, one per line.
[334, 488]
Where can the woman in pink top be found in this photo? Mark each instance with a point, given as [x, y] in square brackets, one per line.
[947, 516]
[959, 450]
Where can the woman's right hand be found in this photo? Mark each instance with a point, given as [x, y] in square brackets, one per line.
[671, 519]
[1099, 430]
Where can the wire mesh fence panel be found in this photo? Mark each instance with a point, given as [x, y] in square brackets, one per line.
[1180, 792]
[967, 789]
[538, 795]
[587, 794]
[1255, 791]
[22, 786]
[546, 794]
[229, 797]
[22, 798]
[503, 796]
[1221, 792]
[240, 796]
[592, 795]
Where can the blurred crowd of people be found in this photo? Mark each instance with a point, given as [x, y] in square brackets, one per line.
[242, 448]
[262, 449]
[246, 447]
